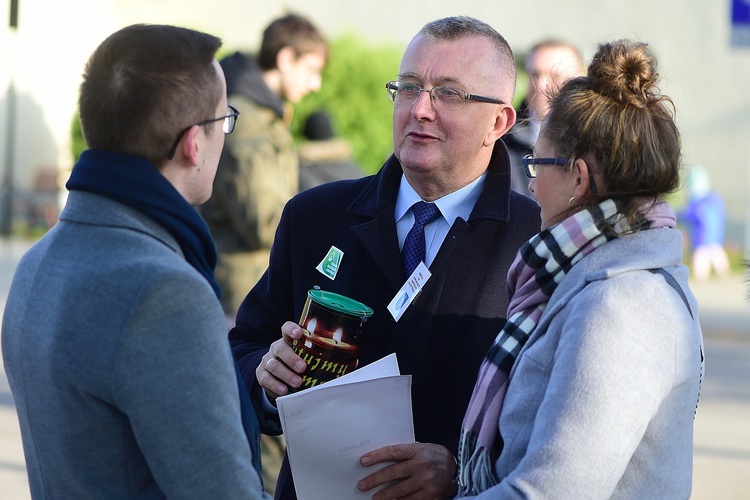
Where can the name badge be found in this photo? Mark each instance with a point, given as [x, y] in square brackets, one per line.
[410, 291]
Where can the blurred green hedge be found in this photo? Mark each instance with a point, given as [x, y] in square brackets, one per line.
[353, 93]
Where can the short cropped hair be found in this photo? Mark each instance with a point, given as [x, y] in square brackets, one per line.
[143, 85]
[454, 28]
[292, 31]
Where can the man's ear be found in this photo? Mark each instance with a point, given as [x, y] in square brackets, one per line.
[285, 58]
[504, 120]
[189, 145]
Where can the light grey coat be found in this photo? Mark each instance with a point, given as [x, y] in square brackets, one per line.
[602, 399]
[119, 365]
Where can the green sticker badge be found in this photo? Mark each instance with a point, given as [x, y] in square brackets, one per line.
[329, 266]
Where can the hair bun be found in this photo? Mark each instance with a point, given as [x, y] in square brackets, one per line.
[624, 71]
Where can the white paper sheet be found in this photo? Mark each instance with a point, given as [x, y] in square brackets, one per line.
[329, 427]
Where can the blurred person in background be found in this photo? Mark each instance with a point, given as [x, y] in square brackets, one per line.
[548, 65]
[114, 340]
[259, 169]
[590, 389]
[705, 218]
[324, 157]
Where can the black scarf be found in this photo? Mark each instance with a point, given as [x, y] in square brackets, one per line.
[136, 182]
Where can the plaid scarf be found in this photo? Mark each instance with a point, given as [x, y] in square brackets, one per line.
[541, 264]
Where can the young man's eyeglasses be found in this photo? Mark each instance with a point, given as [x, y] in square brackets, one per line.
[442, 96]
[230, 120]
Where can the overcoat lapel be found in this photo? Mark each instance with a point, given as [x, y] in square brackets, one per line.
[378, 234]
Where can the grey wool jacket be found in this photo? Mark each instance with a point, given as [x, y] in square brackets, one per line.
[117, 357]
[602, 398]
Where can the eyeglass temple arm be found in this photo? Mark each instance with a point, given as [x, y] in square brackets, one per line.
[480, 98]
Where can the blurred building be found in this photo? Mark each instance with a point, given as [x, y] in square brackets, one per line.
[704, 72]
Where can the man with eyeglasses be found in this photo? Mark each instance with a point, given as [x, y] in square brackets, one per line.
[450, 110]
[113, 338]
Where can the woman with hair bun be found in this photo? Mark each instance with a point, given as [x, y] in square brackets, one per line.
[590, 389]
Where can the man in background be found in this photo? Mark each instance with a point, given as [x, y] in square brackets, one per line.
[114, 341]
[259, 168]
[549, 63]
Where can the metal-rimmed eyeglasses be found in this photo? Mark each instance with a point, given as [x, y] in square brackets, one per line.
[230, 120]
[531, 164]
[440, 96]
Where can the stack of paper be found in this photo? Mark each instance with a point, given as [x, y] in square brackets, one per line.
[329, 427]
